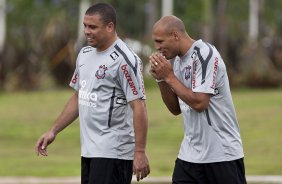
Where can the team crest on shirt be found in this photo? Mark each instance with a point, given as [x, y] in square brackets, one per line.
[114, 55]
[101, 72]
[187, 72]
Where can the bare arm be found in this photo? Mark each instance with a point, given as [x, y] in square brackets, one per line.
[197, 101]
[163, 70]
[169, 98]
[140, 122]
[67, 116]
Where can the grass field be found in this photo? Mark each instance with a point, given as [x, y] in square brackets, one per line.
[25, 116]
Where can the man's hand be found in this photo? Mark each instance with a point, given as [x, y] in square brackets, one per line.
[43, 142]
[160, 67]
[141, 166]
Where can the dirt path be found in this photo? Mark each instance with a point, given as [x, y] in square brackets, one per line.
[150, 180]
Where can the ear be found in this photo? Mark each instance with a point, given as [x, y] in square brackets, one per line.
[175, 35]
[110, 27]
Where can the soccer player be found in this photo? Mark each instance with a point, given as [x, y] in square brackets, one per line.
[193, 80]
[109, 100]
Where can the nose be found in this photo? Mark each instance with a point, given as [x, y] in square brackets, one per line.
[86, 30]
[157, 47]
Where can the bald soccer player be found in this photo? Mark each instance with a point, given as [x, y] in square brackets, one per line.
[193, 80]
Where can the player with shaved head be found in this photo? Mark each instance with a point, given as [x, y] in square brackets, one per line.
[193, 81]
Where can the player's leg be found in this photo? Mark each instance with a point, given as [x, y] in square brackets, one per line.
[106, 171]
[123, 171]
[96, 170]
[85, 166]
[188, 173]
[231, 172]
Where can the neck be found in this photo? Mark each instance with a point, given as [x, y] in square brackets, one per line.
[186, 45]
[108, 43]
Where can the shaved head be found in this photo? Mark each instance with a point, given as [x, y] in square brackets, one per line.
[168, 24]
[170, 37]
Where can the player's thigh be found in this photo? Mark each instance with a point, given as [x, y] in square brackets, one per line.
[122, 172]
[231, 172]
[85, 170]
[188, 173]
[106, 171]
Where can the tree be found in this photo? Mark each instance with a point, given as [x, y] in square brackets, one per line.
[167, 7]
[83, 6]
[257, 68]
[207, 20]
[2, 39]
[2, 23]
[254, 22]
[27, 52]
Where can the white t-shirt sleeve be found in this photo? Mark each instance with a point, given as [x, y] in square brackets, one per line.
[74, 83]
[205, 71]
[130, 77]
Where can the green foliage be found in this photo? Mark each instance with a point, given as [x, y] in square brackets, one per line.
[33, 27]
[272, 15]
[131, 18]
[38, 30]
[25, 116]
[190, 13]
[33, 15]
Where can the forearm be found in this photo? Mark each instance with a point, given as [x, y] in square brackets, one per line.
[162, 69]
[67, 116]
[140, 123]
[197, 101]
[169, 98]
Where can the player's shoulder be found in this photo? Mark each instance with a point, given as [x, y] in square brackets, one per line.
[204, 49]
[202, 46]
[123, 50]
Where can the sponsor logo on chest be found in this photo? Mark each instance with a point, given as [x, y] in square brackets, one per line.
[87, 98]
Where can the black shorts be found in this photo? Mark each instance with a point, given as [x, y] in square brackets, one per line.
[106, 171]
[230, 172]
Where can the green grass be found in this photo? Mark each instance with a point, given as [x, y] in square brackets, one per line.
[25, 116]
[260, 117]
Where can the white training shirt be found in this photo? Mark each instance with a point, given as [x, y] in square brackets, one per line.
[212, 135]
[106, 81]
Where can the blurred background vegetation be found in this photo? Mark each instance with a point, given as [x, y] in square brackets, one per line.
[40, 39]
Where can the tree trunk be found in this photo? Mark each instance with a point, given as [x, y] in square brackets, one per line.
[84, 5]
[254, 22]
[2, 41]
[221, 28]
[2, 24]
[150, 9]
[207, 21]
[167, 7]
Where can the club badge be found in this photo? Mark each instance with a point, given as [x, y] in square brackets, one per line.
[101, 72]
[187, 72]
